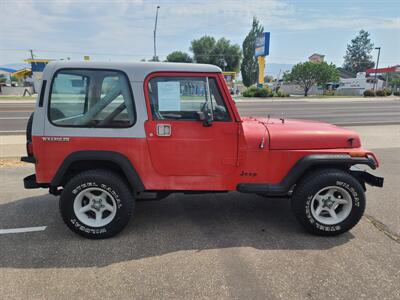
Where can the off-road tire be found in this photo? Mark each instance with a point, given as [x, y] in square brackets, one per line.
[104, 180]
[309, 186]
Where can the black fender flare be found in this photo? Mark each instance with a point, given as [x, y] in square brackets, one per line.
[98, 155]
[301, 167]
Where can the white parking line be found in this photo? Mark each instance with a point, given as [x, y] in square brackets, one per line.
[22, 230]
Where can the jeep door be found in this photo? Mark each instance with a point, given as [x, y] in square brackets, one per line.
[180, 142]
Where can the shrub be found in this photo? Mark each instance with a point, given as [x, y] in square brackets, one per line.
[369, 93]
[281, 94]
[396, 93]
[387, 91]
[249, 92]
[263, 92]
[329, 93]
[380, 93]
[254, 92]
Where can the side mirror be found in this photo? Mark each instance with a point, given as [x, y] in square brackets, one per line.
[206, 117]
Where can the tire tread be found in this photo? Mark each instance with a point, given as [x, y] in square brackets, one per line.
[117, 181]
[308, 182]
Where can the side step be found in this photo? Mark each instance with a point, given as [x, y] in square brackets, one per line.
[261, 188]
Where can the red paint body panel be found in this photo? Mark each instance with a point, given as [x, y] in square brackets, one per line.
[270, 166]
[193, 149]
[300, 134]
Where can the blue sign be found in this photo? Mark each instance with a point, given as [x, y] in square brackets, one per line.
[262, 45]
[38, 66]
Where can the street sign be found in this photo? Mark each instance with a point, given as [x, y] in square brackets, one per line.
[262, 45]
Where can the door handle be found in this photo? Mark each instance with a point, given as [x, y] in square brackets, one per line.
[163, 129]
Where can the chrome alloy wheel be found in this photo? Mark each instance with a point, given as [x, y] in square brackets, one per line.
[331, 205]
[95, 207]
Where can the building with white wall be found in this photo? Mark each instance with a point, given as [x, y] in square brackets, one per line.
[357, 86]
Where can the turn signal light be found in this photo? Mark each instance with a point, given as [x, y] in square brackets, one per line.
[357, 154]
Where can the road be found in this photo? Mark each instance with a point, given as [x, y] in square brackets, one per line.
[214, 246]
[13, 116]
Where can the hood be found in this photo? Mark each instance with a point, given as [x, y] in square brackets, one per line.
[301, 134]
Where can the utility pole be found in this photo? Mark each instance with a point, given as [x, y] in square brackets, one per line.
[155, 33]
[32, 63]
[376, 67]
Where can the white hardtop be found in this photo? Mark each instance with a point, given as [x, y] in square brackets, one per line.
[137, 71]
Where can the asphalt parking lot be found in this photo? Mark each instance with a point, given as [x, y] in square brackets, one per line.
[225, 246]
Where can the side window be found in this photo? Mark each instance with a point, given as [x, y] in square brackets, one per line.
[68, 96]
[91, 98]
[182, 98]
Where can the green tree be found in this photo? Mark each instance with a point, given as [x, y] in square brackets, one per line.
[202, 49]
[394, 81]
[226, 56]
[179, 56]
[249, 67]
[308, 74]
[220, 53]
[358, 56]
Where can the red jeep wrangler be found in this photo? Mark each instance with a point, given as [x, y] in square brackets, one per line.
[104, 133]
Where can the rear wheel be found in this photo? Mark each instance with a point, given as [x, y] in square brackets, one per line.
[96, 204]
[328, 202]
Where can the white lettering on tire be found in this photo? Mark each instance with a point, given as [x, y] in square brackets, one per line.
[107, 188]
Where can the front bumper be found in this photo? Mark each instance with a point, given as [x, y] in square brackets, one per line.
[368, 178]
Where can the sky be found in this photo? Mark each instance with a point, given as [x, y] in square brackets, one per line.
[122, 30]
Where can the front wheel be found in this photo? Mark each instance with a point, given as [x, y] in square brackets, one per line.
[96, 204]
[328, 202]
